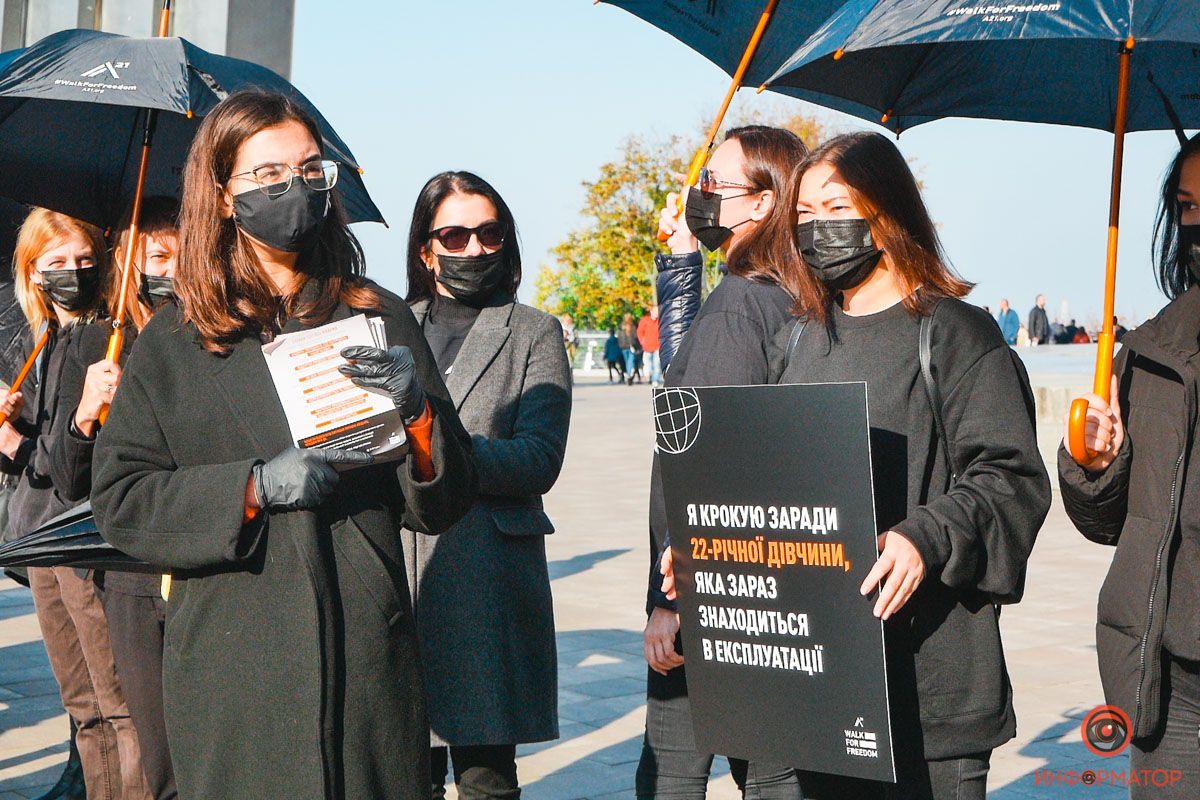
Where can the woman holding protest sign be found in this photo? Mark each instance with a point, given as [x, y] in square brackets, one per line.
[62, 273]
[960, 488]
[1138, 491]
[284, 576]
[736, 208]
[482, 589]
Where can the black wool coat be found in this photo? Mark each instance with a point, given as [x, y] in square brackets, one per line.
[291, 663]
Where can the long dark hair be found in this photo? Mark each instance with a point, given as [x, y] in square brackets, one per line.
[769, 156]
[421, 283]
[1174, 277]
[884, 189]
[220, 283]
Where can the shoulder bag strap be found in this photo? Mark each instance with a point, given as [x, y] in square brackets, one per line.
[925, 355]
[794, 339]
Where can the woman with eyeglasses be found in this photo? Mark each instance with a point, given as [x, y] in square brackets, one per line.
[62, 280]
[735, 209]
[291, 664]
[482, 589]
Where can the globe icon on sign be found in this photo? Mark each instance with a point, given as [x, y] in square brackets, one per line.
[676, 420]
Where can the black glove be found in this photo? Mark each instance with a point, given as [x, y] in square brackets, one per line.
[297, 478]
[392, 370]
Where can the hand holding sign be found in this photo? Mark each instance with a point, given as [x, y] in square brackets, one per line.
[904, 568]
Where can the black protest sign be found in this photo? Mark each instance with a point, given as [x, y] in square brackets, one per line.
[771, 514]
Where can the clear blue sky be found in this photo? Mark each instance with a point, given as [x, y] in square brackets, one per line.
[535, 95]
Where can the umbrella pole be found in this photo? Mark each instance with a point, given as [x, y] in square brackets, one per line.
[24, 373]
[701, 157]
[1077, 427]
[117, 337]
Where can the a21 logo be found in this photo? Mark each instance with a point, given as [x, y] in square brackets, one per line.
[110, 67]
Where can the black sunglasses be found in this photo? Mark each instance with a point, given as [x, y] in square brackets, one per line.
[456, 237]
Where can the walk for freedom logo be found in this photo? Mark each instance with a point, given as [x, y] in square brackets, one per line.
[102, 72]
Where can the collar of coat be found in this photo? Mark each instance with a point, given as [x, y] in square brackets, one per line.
[480, 348]
[1173, 337]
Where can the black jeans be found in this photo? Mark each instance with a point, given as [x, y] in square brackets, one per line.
[1176, 747]
[962, 778]
[481, 772]
[672, 769]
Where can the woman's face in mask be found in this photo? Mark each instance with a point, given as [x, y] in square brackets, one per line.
[460, 210]
[823, 195]
[159, 254]
[1189, 191]
[70, 252]
[743, 208]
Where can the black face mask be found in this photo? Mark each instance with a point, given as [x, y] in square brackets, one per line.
[1189, 248]
[71, 289]
[472, 279]
[156, 289]
[702, 213]
[839, 251]
[289, 222]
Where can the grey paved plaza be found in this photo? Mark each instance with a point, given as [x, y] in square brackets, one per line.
[598, 562]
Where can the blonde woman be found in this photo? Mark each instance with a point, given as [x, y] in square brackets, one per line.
[61, 274]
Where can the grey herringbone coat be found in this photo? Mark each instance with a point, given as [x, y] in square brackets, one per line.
[481, 589]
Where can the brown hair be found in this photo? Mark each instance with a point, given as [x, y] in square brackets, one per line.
[220, 283]
[883, 188]
[40, 231]
[159, 215]
[766, 253]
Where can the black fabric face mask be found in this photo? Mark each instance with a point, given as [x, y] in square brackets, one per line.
[702, 213]
[839, 251]
[289, 222]
[156, 289]
[71, 289]
[472, 279]
[1189, 248]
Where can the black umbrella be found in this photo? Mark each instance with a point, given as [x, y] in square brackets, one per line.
[70, 540]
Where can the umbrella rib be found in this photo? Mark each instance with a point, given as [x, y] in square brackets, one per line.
[890, 111]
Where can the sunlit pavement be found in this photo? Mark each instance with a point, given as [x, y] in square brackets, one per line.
[598, 562]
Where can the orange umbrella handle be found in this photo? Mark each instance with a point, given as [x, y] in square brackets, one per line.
[701, 157]
[1077, 421]
[24, 373]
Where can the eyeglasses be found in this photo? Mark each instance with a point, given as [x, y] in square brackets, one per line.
[456, 237]
[709, 183]
[275, 179]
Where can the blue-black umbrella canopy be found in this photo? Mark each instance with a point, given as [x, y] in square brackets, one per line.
[1053, 62]
[72, 111]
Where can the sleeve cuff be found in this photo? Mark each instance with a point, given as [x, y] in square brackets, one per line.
[669, 261]
[1096, 484]
[934, 549]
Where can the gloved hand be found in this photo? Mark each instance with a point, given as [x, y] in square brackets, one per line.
[392, 370]
[297, 478]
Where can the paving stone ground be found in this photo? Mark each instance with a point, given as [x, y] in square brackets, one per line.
[598, 565]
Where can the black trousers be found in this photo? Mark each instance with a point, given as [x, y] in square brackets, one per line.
[672, 769]
[481, 772]
[135, 628]
[1170, 759]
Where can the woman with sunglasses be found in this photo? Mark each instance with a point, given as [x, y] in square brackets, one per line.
[734, 209]
[291, 665]
[482, 592]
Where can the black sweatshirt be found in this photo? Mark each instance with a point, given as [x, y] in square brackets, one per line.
[728, 344]
[446, 328]
[945, 662]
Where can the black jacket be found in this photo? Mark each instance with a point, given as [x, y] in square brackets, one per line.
[55, 466]
[946, 666]
[728, 344]
[680, 278]
[1134, 504]
[1039, 325]
[291, 664]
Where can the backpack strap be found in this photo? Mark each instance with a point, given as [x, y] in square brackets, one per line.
[925, 355]
[794, 339]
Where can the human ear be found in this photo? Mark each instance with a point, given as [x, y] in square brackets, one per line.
[763, 206]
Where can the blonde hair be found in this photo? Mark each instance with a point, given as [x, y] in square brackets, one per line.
[40, 231]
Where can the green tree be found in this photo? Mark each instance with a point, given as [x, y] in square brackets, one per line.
[605, 268]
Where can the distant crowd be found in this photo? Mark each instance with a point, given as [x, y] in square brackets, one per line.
[1039, 329]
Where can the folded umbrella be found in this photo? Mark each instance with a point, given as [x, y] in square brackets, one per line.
[70, 540]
